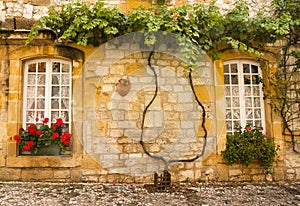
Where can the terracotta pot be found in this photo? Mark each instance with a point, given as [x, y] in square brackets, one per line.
[123, 89]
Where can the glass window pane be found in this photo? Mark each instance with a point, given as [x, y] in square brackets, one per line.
[41, 79]
[30, 116]
[31, 79]
[65, 103]
[236, 114]
[32, 68]
[256, 102]
[254, 69]
[55, 91]
[235, 102]
[234, 68]
[248, 101]
[249, 114]
[30, 103]
[65, 116]
[247, 79]
[228, 114]
[255, 79]
[257, 113]
[227, 91]
[66, 68]
[228, 101]
[42, 67]
[234, 79]
[54, 115]
[55, 67]
[226, 68]
[229, 126]
[41, 91]
[65, 79]
[226, 79]
[246, 68]
[256, 90]
[30, 91]
[235, 91]
[55, 79]
[247, 91]
[40, 104]
[65, 91]
[54, 104]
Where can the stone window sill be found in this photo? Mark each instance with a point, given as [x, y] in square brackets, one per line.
[61, 161]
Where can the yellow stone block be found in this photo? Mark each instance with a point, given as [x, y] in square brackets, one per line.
[204, 93]
[12, 149]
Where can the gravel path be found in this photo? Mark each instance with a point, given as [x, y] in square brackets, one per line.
[200, 194]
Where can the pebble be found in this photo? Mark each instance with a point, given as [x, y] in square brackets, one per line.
[199, 194]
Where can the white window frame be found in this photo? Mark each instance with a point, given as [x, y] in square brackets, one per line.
[247, 100]
[63, 95]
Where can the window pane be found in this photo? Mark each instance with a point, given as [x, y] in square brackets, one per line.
[255, 79]
[228, 114]
[234, 79]
[247, 79]
[30, 103]
[228, 102]
[65, 79]
[247, 91]
[55, 91]
[54, 104]
[40, 104]
[235, 102]
[31, 79]
[42, 67]
[254, 69]
[226, 79]
[257, 102]
[56, 67]
[65, 91]
[235, 91]
[41, 79]
[55, 79]
[31, 67]
[248, 101]
[65, 104]
[236, 114]
[249, 114]
[66, 68]
[41, 91]
[234, 68]
[246, 68]
[226, 68]
[257, 113]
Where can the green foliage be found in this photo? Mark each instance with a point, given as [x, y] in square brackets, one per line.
[202, 24]
[249, 144]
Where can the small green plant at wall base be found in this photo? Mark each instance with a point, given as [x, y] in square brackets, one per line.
[250, 144]
[39, 135]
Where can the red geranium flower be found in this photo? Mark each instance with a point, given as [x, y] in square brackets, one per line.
[27, 147]
[46, 120]
[30, 143]
[37, 119]
[60, 122]
[38, 132]
[54, 135]
[17, 138]
[248, 129]
[53, 126]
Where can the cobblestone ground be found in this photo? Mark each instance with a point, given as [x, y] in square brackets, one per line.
[200, 194]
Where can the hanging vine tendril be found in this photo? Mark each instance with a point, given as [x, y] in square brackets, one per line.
[168, 162]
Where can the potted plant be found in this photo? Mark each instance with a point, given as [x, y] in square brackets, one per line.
[39, 137]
